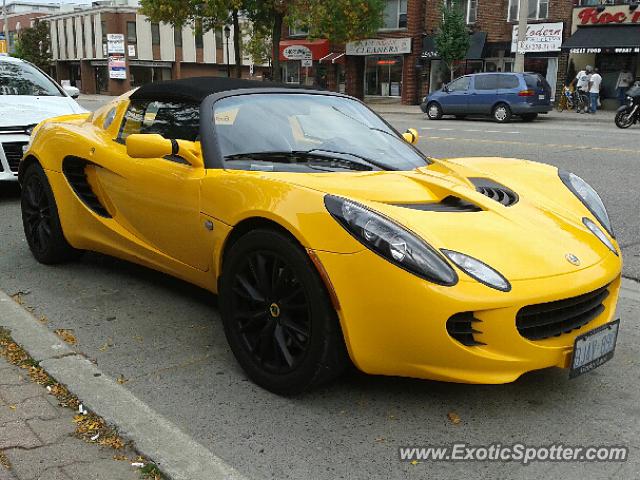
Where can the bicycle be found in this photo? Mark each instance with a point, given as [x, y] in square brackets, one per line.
[566, 100]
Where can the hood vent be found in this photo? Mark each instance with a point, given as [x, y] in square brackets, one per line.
[74, 170]
[495, 191]
[448, 204]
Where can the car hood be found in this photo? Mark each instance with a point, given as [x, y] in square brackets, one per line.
[21, 110]
[530, 239]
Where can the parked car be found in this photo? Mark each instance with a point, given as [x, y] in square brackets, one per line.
[27, 96]
[328, 236]
[501, 95]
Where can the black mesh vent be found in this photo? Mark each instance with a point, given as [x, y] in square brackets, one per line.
[74, 171]
[552, 319]
[448, 204]
[13, 152]
[495, 191]
[460, 327]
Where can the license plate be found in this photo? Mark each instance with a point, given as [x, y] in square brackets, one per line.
[592, 349]
[541, 97]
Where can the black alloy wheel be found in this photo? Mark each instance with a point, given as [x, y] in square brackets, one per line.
[277, 315]
[40, 219]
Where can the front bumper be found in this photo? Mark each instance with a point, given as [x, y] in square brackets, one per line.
[395, 323]
[9, 145]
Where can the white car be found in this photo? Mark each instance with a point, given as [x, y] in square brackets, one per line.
[27, 96]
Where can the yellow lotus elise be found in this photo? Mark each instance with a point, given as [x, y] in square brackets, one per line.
[328, 236]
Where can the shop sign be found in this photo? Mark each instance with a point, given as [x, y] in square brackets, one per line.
[606, 50]
[379, 46]
[306, 62]
[117, 67]
[132, 50]
[297, 52]
[115, 43]
[611, 15]
[541, 37]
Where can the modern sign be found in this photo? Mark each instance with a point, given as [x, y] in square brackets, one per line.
[541, 37]
[611, 15]
[115, 43]
[117, 67]
[379, 46]
[297, 52]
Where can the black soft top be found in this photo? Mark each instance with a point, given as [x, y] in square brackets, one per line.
[196, 89]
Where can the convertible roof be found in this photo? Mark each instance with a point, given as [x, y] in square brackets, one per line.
[196, 89]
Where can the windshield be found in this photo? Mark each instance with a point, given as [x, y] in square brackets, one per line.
[25, 79]
[308, 127]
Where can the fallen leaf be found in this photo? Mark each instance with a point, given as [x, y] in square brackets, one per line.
[414, 462]
[120, 458]
[66, 335]
[12, 407]
[454, 418]
[380, 439]
[43, 319]
[121, 380]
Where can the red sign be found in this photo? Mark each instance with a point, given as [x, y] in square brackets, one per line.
[591, 16]
[298, 49]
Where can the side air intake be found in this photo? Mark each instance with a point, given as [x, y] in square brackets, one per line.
[74, 170]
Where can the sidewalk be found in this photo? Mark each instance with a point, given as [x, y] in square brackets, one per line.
[603, 116]
[37, 439]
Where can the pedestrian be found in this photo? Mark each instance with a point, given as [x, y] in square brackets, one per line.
[582, 88]
[625, 79]
[595, 80]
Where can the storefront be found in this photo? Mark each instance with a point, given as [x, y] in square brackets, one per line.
[384, 64]
[607, 38]
[300, 61]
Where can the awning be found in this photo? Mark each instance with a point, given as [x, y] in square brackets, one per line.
[303, 49]
[476, 47]
[333, 57]
[605, 39]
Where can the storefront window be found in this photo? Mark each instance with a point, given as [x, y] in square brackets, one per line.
[383, 75]
[395, 14]
[291, 71]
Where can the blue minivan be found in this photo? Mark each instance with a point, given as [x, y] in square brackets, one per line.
[500, 95]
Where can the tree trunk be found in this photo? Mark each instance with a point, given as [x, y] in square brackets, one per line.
[237, 39]
[275, 36]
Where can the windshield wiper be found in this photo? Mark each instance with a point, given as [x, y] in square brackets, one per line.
[306, 156]
[361, 157]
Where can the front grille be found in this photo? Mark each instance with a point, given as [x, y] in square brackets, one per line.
[460, 327]
[13, 153]
[552, 319]
[495, 191]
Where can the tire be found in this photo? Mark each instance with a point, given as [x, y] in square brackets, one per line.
[434, 111]
[623, 120]
[501, 113]
[529, 117]
[280, 324]
[40, 220]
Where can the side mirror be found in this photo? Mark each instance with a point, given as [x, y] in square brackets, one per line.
[411, 136]
[73, 92]
[445, 88]
[153, 145]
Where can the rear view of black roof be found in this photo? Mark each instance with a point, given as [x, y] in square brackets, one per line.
[196, 89]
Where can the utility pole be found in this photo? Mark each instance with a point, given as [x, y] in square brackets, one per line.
[523, 15]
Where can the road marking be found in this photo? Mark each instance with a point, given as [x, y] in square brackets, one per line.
[545, 145]
[476, 130]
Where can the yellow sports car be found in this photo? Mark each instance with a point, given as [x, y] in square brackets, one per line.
[328, 236]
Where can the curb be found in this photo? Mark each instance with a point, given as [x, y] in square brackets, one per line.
[173, 451]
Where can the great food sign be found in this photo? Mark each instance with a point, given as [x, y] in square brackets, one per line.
[541, 37]
[611, 15]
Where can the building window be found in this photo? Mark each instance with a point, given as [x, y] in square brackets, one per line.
[177, 36]
[298, 31]
[469, 8]
[199, 40]
[395, 14]
[218, 37]
[155, 34]
[538, 10]
[132, 34]
[103, 26]
[92, 39]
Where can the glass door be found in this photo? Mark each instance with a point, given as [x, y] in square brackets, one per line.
[383, 76]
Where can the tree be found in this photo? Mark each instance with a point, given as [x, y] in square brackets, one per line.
[337, 20]
[34, 45]
[452, 39]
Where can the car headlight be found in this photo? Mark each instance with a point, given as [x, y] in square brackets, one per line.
[588, 196]
[478, 270]
[391, 241]
[590, 224]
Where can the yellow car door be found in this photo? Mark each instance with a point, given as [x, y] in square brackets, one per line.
[157, 199]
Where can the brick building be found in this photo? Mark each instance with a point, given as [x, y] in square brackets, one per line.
[111, 48]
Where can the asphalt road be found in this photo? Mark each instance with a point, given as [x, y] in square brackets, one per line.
[165, 340]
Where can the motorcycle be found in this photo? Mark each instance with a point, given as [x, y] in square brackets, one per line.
[629, 113]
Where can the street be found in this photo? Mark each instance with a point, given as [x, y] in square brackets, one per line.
[163, 338]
